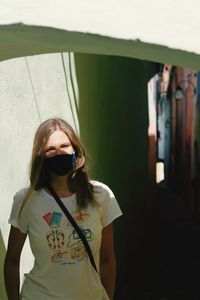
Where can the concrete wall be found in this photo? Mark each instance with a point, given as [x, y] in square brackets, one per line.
[32, 90]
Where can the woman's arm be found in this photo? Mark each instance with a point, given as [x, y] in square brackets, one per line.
[11, 264]
[107, 261]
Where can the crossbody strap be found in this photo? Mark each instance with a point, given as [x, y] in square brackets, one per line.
[74, 224]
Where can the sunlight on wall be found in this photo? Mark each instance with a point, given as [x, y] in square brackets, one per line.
[33, 89]
[159, 172]
[152, 90]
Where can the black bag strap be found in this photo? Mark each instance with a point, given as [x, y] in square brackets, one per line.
[74, 224]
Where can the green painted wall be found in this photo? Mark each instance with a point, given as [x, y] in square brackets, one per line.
[2, 255]
[18, 40]
[113, 109]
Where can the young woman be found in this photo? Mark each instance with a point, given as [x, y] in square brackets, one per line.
[62, 268]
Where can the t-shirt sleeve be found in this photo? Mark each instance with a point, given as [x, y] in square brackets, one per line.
[15, 220]
[110, 209]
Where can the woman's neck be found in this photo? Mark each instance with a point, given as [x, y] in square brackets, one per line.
[60, 185]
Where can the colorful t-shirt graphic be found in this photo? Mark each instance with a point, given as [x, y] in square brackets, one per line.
[67, 249]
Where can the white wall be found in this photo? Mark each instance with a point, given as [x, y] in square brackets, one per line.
[172, 23]
[158, 31]
[32, 89]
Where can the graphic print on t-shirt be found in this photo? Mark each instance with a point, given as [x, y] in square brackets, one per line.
[63, 240]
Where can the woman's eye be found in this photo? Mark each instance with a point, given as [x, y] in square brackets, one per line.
[50, 150]
[66, 146]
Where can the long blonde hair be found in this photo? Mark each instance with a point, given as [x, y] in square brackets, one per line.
[39, 176]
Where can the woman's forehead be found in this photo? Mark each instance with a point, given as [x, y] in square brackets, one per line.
[57, 137]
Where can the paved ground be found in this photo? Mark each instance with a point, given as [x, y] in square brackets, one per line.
[180, 260]
[172, 267]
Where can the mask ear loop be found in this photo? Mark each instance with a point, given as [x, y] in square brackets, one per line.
[74, 161]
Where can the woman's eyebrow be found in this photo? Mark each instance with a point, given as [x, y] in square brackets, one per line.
[65, 144]
[61, 145]
[50, 148]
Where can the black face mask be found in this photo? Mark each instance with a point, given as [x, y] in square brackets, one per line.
[61, 164]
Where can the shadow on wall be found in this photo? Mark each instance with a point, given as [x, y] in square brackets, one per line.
[113, 113]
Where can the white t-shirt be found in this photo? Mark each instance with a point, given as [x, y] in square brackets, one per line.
[62, 269]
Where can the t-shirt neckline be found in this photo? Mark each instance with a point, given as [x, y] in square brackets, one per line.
[62, 198]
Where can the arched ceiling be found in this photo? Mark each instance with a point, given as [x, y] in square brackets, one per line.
[149, 30]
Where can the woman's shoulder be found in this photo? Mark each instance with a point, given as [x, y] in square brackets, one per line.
[23, 196]
[101, 189]
[20, 194]
[100, 185]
